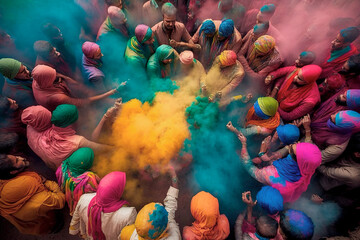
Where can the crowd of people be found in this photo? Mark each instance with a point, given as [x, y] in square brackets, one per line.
[302, 114]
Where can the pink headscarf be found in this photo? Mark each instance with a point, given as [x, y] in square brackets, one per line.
[106, 200]
[90, 48]
[140, 32]
[44, 76]
[37, 117]
[308, 157]
[187, 57]
[116, 15]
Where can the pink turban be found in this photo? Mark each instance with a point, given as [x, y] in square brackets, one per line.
[227, 58]
[90, 48]
[44, 76]
[37, 117]
[187, 57]
[335, 81]
[311, 73]
[116, 15]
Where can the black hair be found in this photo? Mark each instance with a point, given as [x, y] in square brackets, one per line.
[6, 167]
[266, 226]
[8, 141]
[296, 225]
[354, 64]
[4, 105]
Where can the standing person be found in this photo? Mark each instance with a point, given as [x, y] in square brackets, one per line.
[209, 224]
[75, 178]
[29, 202]
[102, 215]
[151, 11]
[115, 22]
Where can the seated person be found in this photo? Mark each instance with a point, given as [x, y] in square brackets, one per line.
[296, 225]
[102, 215]
[209, 224]
[115, 23]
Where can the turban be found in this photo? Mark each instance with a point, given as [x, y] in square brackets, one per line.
[350, 34]
[307, 57]
[266, 107]
[64, 115]
[227, 58]
[79, 162]
[187, 57]
[37, 117]
[89, 49]
[143, 33]
[268, 9]
[44, 76]
[348, 120]
[270, 200]
[335, 81]
[264, 44]
[226, 28]
[9, 67]
[151, 221]
[288, 133]
[116, 15]
[261, 28]
[353, 99]
[208, 27]
[311, 73]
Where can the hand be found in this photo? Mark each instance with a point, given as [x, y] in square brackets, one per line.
[211, 97]
[268, 79]
[173, 43]
[306, 121]
[265, 144]
[242, 138]
[275, 137]
[246, 198]
[248, 97]
[204, 89]
[118, 103]
[172, 173]
[218, 95]
[113, 111]
[297, 122]
[197, 47]
[230, 126]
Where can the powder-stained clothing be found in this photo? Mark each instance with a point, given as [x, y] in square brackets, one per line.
[111, 223]
[173, 231]
[179, 33]
[151, 14]
[19, 90]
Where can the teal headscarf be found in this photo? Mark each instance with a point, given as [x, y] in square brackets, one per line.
[64, 115]
[9, 67]
[164, 52]
[79, 162]
[155, 65]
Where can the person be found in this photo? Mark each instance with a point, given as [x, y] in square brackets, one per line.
[11, 117]
[51, 136]
[115, 22]
[209, 224]
[102, 215]
[351, 72]
[151, 11]
[51, 91]
[290, 175]
[299, 93]
[47, 55]
[171, 32]
[11, 165]
[18, 82]
[330, 86]
[29, 202]
[91, 67]
[341, 50]
[259, 30]
[264, 15]
[278, 76]
[296, 225]
[75, 178]
[262, 59]
[9, 143]
[224, 76]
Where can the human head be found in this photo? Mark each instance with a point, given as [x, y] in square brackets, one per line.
[11, 165]
[64, 115]
[44, 76]
[226, 29]
[9, 67]
[264, 45]
[7, 105]
[37, 117]
[307, 75]
[266, 227]
[288, 133]
[260, 29]
[117, 16]
[91, 50]
[266, 107]
[344, 38]
[5, 39]
[351, 66]
[169, 15]
[296, 225]
[308, 158]
[165, 53]
[144, 34]
[305, 58]
[79, 161]
[187, 58]
[151, 221]
[265, 13]
[45, 50]
[8, 141]
[345, 121]
[53, 33]
[270, 199]
[225, 6]
[352, 98]
[116, 3]
[331, 84]
[208, 27]
[205, 209]
[227, 58]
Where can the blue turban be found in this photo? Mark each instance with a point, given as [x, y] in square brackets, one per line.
[350, 34]
[268, 9]
[226, 28]
[208, 27]
[288, 133]
[270, 200]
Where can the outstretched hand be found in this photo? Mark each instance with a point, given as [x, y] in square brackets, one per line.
[246, 198]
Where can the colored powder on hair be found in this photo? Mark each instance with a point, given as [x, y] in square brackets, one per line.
[159, 220]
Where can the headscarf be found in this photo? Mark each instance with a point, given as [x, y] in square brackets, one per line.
[9, 67]
[335, 82]
[264, 113]
[353, 99]
[74, 178]
[44, 76]
[291, 98]
[268, 9]
[261, 47]
[106, 200]
[208, 27]
[89, 49]
[116, 15]
[37, 117]
[261, 28]
[270, 200]
[15, 192]
[143, 33]
[288, 133]
[227, 58]
[151, 221]
[288, 169]
[350, 34]
[226, 28]
[187, 57]
[346, 122]
[209, 224]
[308, 158]
[155, 65]
[64, 115]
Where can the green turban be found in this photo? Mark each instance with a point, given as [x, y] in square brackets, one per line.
[9, 67]
[79, 162]
[64, 115]
[268, 105]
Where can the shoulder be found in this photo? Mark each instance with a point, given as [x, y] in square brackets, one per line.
[156, 27]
